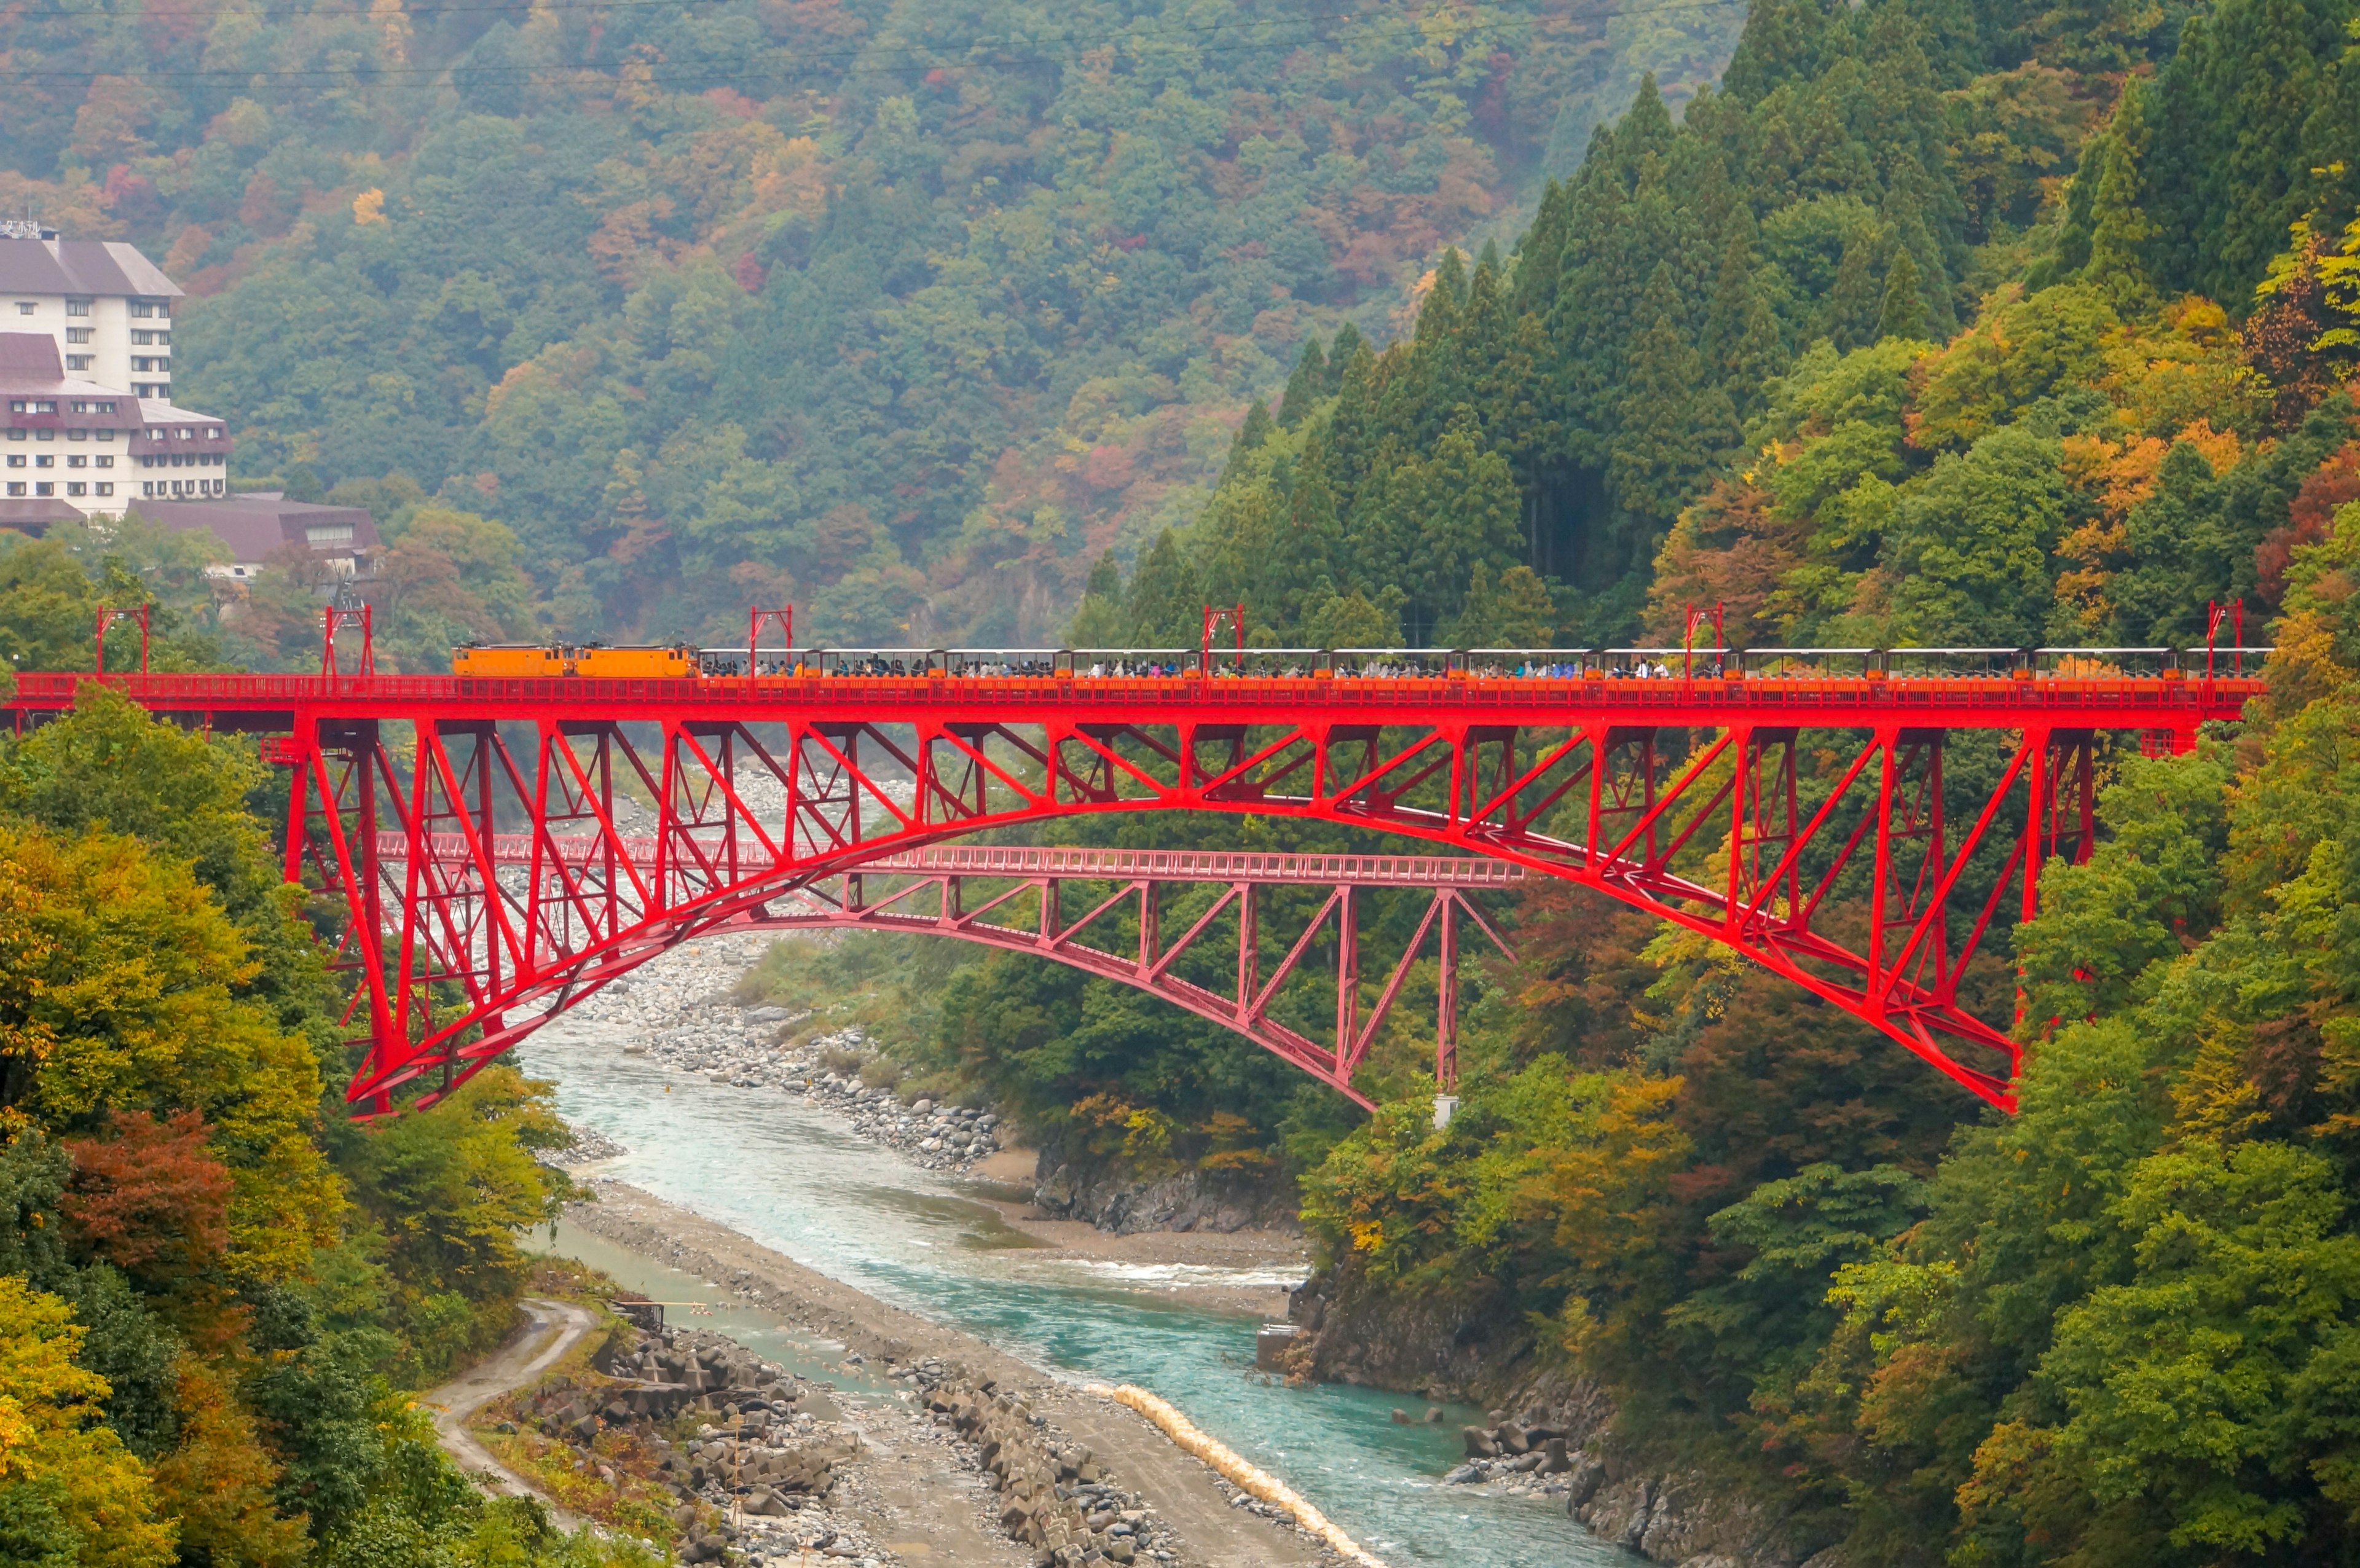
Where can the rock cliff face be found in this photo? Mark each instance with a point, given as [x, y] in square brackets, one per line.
[1475, 1348]
[1446, 1346]
[1113, 1198]
[1686, 1519]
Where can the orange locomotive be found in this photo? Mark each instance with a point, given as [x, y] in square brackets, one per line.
[528, 662]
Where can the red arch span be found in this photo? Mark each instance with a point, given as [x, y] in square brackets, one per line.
[1016, 899]
[1682, 797]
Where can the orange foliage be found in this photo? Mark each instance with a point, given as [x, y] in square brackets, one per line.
[148, 1196]
[218, 1479]
[1730, 547]
[2328, 486]
[2119, 475]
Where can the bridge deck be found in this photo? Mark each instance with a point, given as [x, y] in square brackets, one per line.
[267, 702]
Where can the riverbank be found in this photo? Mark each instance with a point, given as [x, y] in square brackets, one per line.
[680, 1014]
[1172, 1313]
[1210, 1529]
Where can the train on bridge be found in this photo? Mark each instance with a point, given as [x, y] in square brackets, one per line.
[685, 661]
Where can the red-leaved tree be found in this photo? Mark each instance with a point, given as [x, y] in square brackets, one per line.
[148, 1196]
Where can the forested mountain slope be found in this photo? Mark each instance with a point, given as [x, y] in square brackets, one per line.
[1889, 338]
[1941, 324]
[902, 311]
[215, 1289]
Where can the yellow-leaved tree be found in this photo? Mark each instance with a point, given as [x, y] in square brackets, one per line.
[70, 1495]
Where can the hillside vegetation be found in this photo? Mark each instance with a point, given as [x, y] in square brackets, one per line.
[214, 1289]
[902, 312]
[1934, 325]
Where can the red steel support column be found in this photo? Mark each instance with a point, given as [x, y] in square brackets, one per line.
[1248, 956]
[1348, 980]
[1446, 1021]
[1873, 987]
[2037, 825]
[1741, 802]
[298, 814]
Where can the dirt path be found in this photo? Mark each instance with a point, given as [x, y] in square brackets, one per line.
[549, 1330]
[1182, 1490]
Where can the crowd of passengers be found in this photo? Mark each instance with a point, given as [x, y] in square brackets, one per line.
[1226, 667]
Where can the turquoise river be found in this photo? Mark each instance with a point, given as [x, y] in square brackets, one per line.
[795, 1179]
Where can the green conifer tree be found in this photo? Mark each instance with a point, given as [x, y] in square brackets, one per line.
[1250, 435]
[1099, 619]
[2119, 230]
[1903, 315]
[1166, 604]
[1305, 386]
[1347, 342]
[1849, 318]
[1674, 423]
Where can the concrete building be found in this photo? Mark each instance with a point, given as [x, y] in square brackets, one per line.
[109, 307]
[85, 370]
[263, 528]
[92, 446]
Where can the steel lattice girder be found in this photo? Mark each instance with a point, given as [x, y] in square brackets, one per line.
[704, 802]
[955, 891]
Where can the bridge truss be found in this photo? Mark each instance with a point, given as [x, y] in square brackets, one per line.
[1860, 837]
[1020, 900]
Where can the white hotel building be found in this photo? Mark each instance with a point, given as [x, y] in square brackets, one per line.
[86, 375]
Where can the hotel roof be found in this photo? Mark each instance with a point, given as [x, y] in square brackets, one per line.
[80, 266]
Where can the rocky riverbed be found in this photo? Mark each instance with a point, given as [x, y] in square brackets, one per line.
[680, 1013]
[982, 1459]
[764, 1468]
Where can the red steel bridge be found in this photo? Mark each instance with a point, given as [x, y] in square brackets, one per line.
[556, 833]
[1015, 896]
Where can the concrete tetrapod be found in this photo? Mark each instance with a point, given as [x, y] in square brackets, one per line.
[1249, 1478]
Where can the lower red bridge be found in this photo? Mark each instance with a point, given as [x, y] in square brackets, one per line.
[1018, 899]
[1858, 836]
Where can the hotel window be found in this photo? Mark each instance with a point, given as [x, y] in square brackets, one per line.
[141, 311]
[16, 460]
[76, 459]
[43, 487]
[80, 307]
[141, 340]
[163, 340]
[77, 489]
[147, 487]
[104, 488]
[77, 334]
[16, 489]
[77, 361]
[105, 460]
[24, 307]
[77, 435]
[44, 460]
[45, 405]
[336, 533]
